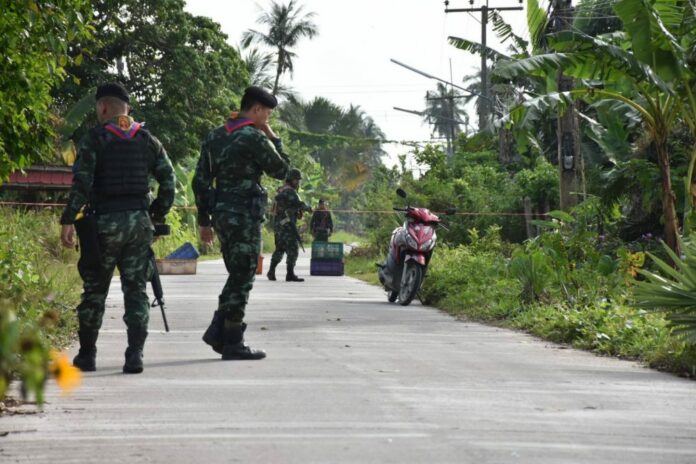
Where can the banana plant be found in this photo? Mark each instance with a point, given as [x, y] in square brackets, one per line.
[649, 67]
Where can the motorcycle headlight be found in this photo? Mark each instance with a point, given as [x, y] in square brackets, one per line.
[411, 242]
[428, 245]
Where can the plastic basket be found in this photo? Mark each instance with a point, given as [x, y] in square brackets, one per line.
[320, 267]
[185, 251]
[327, 250]
[176, 266]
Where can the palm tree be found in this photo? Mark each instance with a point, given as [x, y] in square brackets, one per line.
[287, 24]
[445, 112]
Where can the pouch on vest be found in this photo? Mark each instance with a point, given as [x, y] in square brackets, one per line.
[258, 203]
[90, 256]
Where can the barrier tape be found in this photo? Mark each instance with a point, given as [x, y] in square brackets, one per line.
[343, 211]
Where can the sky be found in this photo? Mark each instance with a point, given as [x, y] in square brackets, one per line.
[349, 61]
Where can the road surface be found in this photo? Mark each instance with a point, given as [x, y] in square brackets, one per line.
[350, 378]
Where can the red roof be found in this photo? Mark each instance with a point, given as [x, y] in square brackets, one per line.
[41, 177]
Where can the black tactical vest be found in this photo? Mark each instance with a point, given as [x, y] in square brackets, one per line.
[121, 174]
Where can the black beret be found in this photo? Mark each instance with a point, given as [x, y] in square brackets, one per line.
[113, 89]
[258, 95]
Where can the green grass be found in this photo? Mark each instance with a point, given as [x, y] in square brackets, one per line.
[475, 285]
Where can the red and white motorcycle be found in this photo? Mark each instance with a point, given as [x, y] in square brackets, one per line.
[410, 250]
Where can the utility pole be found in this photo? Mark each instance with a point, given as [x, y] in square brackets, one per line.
[567, 128]
[484, 109]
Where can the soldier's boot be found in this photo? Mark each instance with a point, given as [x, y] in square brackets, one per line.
[213, 335]
[291, 277]
[86, 359]
[271, 271]
[235, 348]
[134, 352]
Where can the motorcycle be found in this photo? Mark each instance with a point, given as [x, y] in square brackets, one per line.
[410, 249]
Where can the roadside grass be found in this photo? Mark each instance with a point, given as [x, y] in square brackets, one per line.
[472, 284]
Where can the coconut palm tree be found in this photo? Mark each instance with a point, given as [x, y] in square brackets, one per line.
[444, 110]
[287, 24]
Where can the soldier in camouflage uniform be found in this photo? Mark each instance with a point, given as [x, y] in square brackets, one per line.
[288, 209]
[111, 187]
[227, 187]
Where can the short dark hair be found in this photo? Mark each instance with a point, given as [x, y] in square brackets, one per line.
[257, 95]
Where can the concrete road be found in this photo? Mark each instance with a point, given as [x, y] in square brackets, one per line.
[350, 378]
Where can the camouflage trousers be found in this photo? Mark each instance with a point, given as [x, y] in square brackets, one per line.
[124, 242]
[285, 242]
[240, 243]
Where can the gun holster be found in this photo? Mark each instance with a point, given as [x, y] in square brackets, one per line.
[90, 256]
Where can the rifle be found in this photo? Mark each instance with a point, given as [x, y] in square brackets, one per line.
[293, 226]
[155, 282]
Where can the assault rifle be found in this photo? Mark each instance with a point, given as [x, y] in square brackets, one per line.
[155, 282]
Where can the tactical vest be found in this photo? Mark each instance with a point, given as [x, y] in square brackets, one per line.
[121, 174]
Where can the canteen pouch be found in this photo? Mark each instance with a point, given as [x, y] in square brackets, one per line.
[258, 203]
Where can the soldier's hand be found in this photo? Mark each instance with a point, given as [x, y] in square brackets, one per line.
[67, 235]
[207, 235]
[266, 128]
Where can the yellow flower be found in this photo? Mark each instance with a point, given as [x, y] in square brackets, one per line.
[67, 376]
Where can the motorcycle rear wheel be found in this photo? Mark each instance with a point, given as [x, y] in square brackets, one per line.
[392, 296]
[410, 283]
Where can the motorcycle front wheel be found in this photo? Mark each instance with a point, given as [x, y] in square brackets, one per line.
[410, 283]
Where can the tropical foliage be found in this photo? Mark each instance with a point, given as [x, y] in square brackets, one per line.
[287, 25]
[36, 59]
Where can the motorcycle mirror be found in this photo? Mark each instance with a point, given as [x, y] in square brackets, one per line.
[401, 192]
[450, 211]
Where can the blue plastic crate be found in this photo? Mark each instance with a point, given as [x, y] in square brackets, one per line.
[327, 250]
[323, 267]
[185, 251]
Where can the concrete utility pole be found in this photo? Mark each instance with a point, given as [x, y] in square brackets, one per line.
[568, 128]
[484, 105]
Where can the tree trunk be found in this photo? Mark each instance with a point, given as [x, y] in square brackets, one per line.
[669, 214]
[279, 71]
[528, 217]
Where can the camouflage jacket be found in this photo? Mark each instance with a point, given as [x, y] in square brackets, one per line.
[158, 163]
[288, 205]
[233, 159]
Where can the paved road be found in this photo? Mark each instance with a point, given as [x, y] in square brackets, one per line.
[351, 378]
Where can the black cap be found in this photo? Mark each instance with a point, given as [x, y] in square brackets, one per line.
[113, 89]
[321, 201]
[258, 95]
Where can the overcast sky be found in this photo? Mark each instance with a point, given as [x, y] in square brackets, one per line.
[349, 61]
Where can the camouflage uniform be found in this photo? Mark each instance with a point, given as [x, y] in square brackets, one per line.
[289, 208]
[124, 236]
[227, 186]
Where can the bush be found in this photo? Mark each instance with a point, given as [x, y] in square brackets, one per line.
[40, 288]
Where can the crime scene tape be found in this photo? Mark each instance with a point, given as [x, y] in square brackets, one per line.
[342, 211]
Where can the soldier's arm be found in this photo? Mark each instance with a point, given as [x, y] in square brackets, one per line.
[330, 220]
[163, 171]
[202, 186]
[83, 178]
[271, 157]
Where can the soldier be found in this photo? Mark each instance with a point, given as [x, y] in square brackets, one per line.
[227, 186]
[322, 223]
[288, 209]
[111, 188]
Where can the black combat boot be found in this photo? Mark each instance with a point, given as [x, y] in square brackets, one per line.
[235, 349]
[271, 271]
[213, 336]
[134, 352]
[86, 359]
[291, 277]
